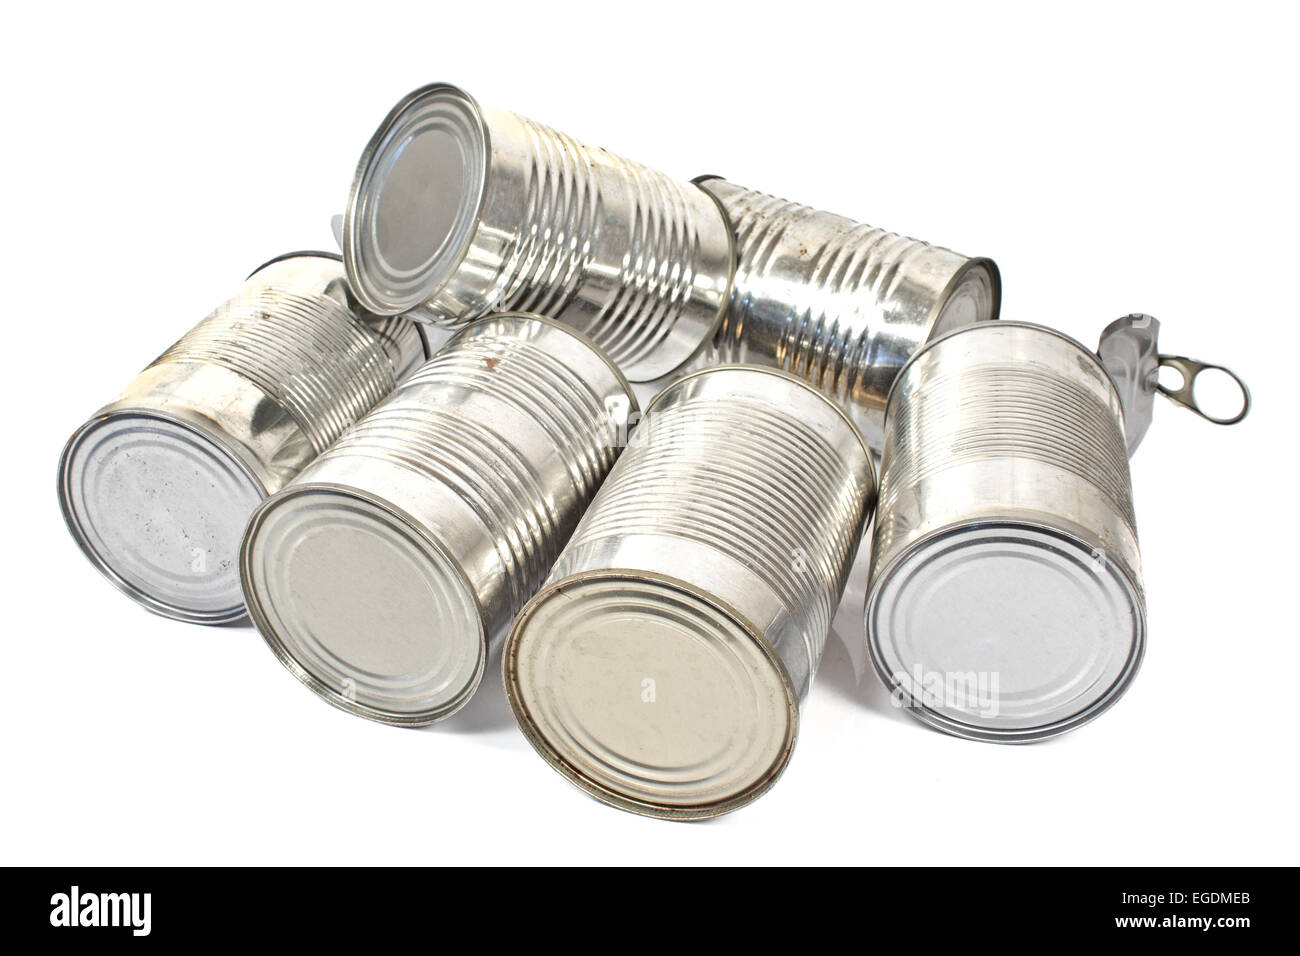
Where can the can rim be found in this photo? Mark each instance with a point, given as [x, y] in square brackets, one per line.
[361, 177]
[148, 601]
[958, 728]
[298, 254]
[779, 373]
[999, 324]
[574, 775]
[276, 643]
[582, 337]
[359, 312]
[941, 301]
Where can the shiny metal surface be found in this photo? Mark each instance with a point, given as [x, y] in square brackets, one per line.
[1005, 598]
[157, 487]
[383, 575]
[840, 304]
[1129, 350]
[661, 665]
[460, 210]
[1129, 353]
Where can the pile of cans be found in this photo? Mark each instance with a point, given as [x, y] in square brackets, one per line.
[658, 584]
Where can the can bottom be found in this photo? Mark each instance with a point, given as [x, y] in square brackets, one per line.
[362, 607]
[1005, 631]
[159, 506]
[650, 695]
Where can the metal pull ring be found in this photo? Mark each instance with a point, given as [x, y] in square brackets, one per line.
[1183, 394]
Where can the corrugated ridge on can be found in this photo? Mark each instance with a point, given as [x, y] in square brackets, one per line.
[840, 304]
[1009, 410]
[1005, 543]
[545, 268]
[518, 216]
[308, 352]
[705, 573]
[659, 267]
[464, 486]
[770, 481]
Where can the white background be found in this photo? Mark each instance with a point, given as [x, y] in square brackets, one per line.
[1120, 159]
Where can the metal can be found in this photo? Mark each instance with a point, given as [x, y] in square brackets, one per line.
[157, 486]
[384, 574]
[661, 666]
[459, 210]
[1005, 595]
[840, 304]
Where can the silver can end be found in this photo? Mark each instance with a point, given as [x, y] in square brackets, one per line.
[649, 694]
[159, 506]
[1001, 631]
[973, 295]
[362, 607]
[416, 199]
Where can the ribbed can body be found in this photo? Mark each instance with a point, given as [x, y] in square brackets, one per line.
[746, 468]
[467, 481]
[840, 304]
[734, 514]
[527, 218]
[157, 486]
[1005, 501]
[305, 350]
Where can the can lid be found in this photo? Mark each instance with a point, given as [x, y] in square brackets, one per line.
[415, 199]
[1005, 631]
[362, 606]
[974, 294]
[649, 694]
[159, 506]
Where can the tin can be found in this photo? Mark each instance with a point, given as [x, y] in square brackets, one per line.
[460, 210]
[661, 666]
[840, 304]
[385, 573]
[1005, 595]
[157, 486]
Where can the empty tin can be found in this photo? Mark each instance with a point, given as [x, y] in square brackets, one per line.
[158, 485]
[459, 210]
[840, 304]
[661, 666]
[1005, 595]
[383, 574]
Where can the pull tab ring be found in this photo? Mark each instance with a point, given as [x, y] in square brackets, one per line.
[1183, 394]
